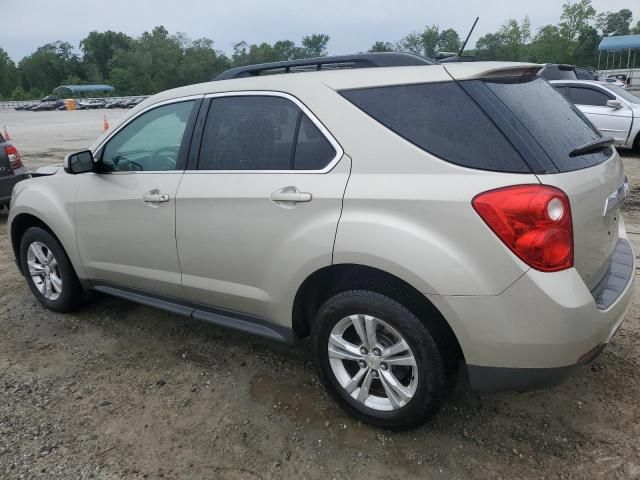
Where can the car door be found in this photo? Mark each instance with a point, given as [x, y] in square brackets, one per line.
[125, 212]
[260, 210]
[592, 101]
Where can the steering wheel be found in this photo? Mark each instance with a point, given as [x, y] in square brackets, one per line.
[164, 158]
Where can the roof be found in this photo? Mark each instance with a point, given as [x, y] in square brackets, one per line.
[620, 42]
[75, 89]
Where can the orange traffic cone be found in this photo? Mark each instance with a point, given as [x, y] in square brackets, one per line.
[105, 124]
[6, 134]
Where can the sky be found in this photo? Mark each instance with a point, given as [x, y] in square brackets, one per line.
[353, 25]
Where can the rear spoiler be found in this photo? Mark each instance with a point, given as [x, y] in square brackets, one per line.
[483, 70]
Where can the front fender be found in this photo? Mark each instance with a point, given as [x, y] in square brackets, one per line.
[51, 200]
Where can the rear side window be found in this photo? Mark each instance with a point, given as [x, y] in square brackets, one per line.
[442, 119]
[257, 132]
[588, 96]
[556, 125]
[313, 150]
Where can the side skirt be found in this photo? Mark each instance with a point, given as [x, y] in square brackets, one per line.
[222, 318]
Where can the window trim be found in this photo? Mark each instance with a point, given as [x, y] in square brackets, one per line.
[305, 110]
[594, 88]
[98, 151]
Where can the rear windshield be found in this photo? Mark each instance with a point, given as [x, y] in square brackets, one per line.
[553, 122]
[510, 125]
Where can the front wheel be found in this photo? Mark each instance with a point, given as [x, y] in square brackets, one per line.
[378, 360]
[49, 272]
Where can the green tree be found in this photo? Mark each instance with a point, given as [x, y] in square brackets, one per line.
[18, 94]
[576, 18]
[315, 45]
[98, 49]
[615, 23]
[636, 29]
[382, 47]
[509, 43]
[49, 66]
[449, 41]
[550, 46]
[9, 76]
[421, 43]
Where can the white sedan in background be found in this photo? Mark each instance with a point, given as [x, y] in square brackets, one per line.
[612, 109]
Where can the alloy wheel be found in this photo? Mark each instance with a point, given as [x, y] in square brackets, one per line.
[44, 271]
[372, 362]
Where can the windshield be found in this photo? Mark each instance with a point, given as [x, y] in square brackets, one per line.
[621, 92]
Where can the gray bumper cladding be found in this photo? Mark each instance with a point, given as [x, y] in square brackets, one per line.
[617, 277]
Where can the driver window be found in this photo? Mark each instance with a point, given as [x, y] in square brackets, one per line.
[151, 142]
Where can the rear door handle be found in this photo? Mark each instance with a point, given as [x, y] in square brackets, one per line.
[154, 196]
[290, 195]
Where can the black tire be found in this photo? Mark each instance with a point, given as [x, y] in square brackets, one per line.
[636, 144]
[432, 381]
[72, 295]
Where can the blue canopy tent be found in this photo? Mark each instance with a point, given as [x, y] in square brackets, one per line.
[74, 90]
[622, 46]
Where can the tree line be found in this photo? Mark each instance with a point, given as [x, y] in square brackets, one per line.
[159, 60]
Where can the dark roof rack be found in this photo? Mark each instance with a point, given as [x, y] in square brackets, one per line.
[363, 60]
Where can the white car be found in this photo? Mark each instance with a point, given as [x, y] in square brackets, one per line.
[612, 109]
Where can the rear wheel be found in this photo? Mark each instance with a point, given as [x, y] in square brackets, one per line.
[378, 360]
[49, 272]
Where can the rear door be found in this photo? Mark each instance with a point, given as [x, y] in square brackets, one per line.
[260, 209]
[592, 101]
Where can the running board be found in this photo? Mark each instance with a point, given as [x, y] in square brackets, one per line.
[222, 318]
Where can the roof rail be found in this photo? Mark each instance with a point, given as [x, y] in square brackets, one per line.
[363, 60]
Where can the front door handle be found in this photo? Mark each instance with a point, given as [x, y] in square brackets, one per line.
[154, 196]
[288, 196]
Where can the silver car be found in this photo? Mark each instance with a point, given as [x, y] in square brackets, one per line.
[612, 109]
[414, 220]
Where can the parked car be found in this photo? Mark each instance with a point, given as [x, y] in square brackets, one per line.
[583, 73]
[406, 219]
[115, 103]
[132, 102]
[555, 71]
[12, 170]
[91, 103]
[47, 105]
[612, 109]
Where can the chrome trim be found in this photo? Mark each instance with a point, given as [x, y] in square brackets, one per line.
[617, 198]
[272, 93]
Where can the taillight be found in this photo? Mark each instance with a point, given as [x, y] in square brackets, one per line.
[534, 221]
[14, 156]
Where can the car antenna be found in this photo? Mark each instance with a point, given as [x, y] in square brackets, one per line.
[464, 45]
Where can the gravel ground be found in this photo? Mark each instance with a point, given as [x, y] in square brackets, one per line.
[119, 390]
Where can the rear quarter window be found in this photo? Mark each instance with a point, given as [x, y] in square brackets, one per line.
[442, 119]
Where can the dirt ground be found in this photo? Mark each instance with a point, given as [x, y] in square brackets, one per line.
[119, 390]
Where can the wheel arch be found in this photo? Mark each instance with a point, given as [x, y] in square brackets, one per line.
[19, 225]
[330, 280]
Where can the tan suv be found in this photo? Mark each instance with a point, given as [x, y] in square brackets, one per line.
[409, 217]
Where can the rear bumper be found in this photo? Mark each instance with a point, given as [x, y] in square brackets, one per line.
[542, 327]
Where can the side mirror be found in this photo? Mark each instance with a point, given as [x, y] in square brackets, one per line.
[615, 104]
[80, 162]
